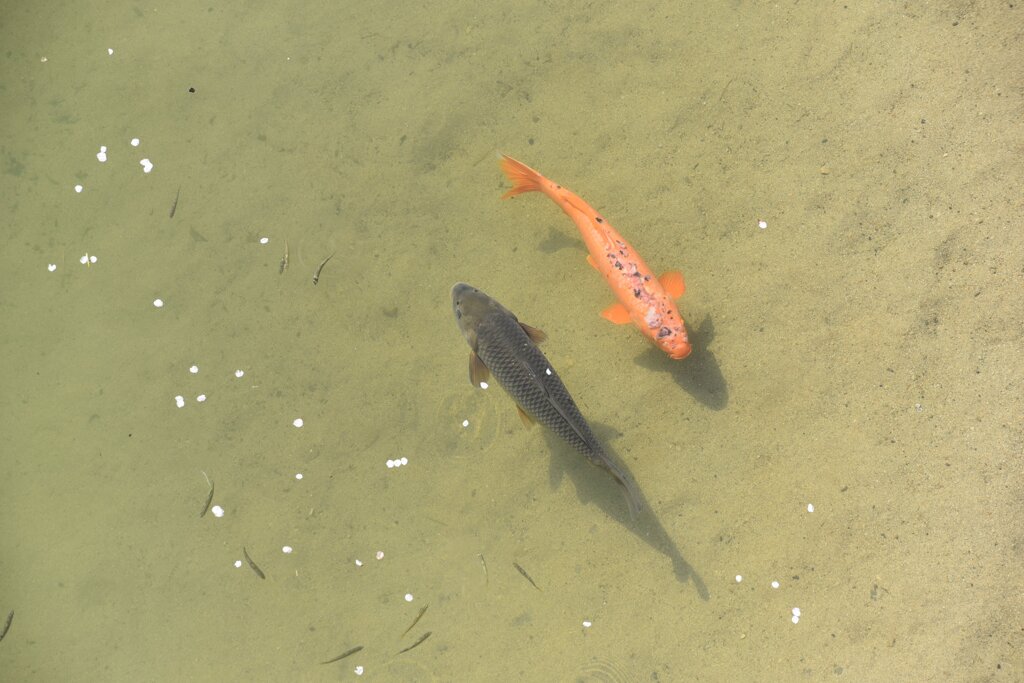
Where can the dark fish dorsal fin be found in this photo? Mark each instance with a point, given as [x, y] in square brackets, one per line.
[478, 372]
[536, 335]
[557, 405]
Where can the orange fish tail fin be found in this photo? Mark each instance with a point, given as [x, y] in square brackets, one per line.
[522, 177]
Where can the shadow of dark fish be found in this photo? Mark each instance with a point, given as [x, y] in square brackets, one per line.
[596, 486]
[699, 374]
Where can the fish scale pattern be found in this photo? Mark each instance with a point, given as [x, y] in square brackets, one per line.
[516, 362]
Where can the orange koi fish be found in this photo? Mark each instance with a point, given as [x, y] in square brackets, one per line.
[646, 301]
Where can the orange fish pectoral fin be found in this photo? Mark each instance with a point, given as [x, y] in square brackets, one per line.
[524, 416]
[592, 262]
[617, 314]
[673, 283]
[536, 335]
[478, 372]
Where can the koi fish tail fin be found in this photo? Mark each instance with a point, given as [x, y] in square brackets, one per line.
[523, 178]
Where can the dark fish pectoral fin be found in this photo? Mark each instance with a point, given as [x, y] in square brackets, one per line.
[536, 335]
[478, 372]
[524, 416]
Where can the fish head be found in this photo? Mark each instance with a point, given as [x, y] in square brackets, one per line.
[673, 341]
[471, 306]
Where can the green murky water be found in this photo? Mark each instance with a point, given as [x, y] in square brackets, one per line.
[860, 354]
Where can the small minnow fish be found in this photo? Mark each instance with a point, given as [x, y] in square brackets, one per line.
[284, 260]
[316, 275]
[252, 565]
[418, 642]
[646, 301]
[423, 610]
[346, 653]
[209, 497]
[7, 625]
[507, 348]
[525, 575]
[174, 206]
